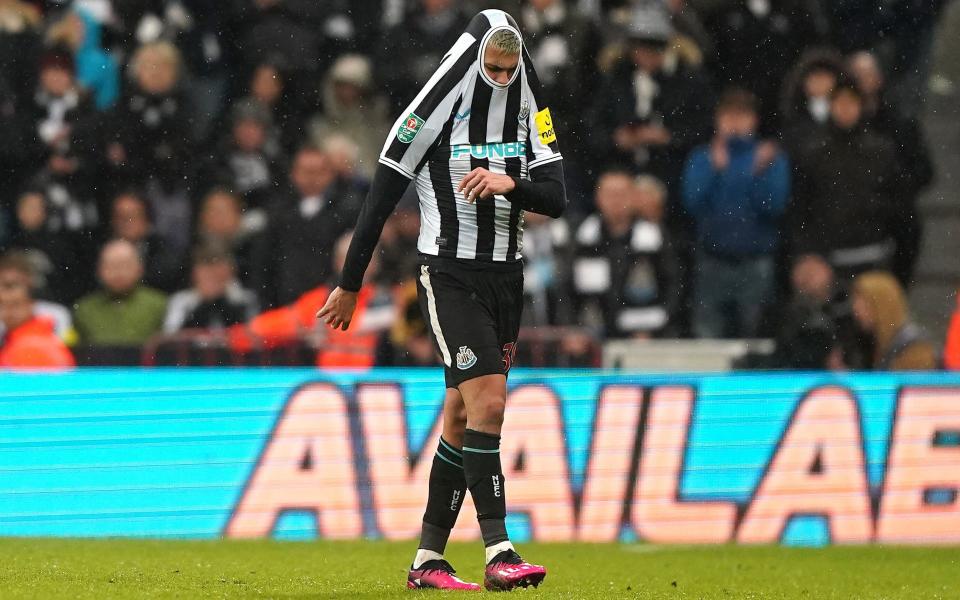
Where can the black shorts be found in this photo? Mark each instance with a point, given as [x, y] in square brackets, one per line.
[473, 313]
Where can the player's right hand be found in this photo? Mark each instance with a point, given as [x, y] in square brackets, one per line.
[337, 311]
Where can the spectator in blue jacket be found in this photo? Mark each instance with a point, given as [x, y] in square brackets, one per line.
[97, 71]
[736, 189]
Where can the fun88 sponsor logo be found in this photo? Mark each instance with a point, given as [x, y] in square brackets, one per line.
[497, 150]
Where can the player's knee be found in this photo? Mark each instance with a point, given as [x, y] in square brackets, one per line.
[455, 417]
[490, 410]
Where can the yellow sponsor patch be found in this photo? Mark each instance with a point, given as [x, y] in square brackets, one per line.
[545, 126]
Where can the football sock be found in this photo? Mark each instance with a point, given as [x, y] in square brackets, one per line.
[494, 550]
[425, 555]
[481, 465]
[447, 489]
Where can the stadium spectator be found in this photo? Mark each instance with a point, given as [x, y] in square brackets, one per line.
[915, 168]
[268, 86]
[736, 189]
[62, 113]
[845, 193]
[344, 155]
[625, 278]
[294, 253]
[131, 219]
[249, 159]
[125, 312]
[216, 300]
[880, 308]
[96, 69]
[27, 340]
[62, 131]
[355, 347]
[222, 221]
[204, 36]
[815, 329]
[149, 139]
[411, 50]
[650, 111]
[352, 108]
[805, 101]
[54, 256]
[758, 42]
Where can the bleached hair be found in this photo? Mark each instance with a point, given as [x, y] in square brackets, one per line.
[505, 41]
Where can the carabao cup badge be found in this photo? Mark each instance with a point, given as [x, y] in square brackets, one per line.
[409, 128]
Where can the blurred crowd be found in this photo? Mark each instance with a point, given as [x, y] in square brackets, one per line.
[736, 169]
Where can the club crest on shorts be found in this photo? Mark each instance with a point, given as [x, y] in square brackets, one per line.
[466, 358]
[409, 128]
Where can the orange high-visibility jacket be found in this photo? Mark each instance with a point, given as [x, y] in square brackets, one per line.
[35, 345]
[340, 348]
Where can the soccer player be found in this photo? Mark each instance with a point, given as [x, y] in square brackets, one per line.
[478, 141]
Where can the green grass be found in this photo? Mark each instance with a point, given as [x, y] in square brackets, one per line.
[54, 568]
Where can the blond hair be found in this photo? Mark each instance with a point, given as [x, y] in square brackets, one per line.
[506, 41]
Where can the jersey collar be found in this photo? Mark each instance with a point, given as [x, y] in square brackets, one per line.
[483, 46]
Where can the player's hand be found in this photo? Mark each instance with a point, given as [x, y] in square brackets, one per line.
[337, 311]
[481, 183]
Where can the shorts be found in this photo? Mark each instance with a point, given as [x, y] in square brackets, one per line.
[473, 314]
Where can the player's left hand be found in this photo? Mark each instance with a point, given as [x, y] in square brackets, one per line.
[481, 183]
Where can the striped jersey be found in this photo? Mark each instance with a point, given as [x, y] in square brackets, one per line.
[462, 120]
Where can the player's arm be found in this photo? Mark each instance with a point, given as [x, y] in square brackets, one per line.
[543, 193]
[385, 192]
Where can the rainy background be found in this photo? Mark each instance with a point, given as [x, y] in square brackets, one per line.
[751, 183]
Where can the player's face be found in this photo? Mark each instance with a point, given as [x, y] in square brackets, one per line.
[499, 65]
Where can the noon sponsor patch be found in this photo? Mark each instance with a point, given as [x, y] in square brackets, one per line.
[545, 126]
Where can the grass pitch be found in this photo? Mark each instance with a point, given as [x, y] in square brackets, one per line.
[55, 568]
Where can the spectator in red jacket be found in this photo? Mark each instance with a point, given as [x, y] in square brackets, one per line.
[29, 341]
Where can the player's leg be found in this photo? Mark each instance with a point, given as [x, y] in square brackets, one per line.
[485, 397]
[447, 485]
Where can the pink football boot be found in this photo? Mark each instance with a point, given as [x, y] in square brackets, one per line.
[438, 575]
[507, 571]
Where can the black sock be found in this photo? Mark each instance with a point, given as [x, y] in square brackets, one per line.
[447, 488]
[481, 465]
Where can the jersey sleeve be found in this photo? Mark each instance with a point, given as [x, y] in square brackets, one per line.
[415, 132]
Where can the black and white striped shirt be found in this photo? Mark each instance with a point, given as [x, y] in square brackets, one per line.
[462, 120]
[459, 121]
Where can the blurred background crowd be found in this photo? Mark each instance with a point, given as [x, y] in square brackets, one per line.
[181, 177]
